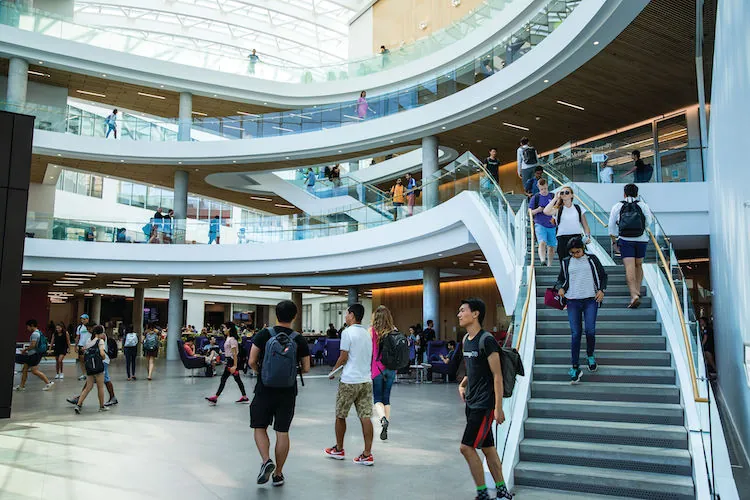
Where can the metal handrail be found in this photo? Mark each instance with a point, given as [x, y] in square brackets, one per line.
[532, 276]
[693, 376]
[494, 182]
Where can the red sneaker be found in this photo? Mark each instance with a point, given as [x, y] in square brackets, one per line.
[334, 453]
[365, 460]
[243, 399]
[212, 400]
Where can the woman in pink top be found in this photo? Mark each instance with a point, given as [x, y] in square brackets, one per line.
[232, 355]
[382, 378]
[362, 106]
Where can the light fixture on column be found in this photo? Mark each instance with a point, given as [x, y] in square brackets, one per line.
[455, 3]
[423, 25]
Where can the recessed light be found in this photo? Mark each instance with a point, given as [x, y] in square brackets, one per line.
[214, 95]
[443, 128]
[287, 157]
[122, 161]
[58, 154]
[537, 118]
[546, 81]
[152, 96]
[391, 142]
[494, 107]
[596, 43]
[41, 62]
[51, 178]
[339, 150]
[512, 125]
[179, 163]
[162, 86]
[265, 103]
[197, 170]
[440, 255]
[401, 262]
[91, 93]
[104, 76]
[574, 106]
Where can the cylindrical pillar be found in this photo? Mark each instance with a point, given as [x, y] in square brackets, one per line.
[175, 318]
[139, 303]
[429, 168]
[431, 297]
[18, 78]
[180, 206]
[297, 299]
[95, 316]
[80, 307]
[352, 295]
[186, 116]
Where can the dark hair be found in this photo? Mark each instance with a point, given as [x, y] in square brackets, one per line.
[476, 304]
[576, 242]
[539, 169]
[524, 141]
[493, 149]
[430, 322]
[631, 190]
[382, 46]
[32, 322]
[114, 110]
[286, 311]
[232, 329]
[358, 310]
[542, 182]
[452, 343]
[636, 153]
[98, 330]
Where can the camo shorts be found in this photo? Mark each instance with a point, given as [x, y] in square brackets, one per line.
[358, 394]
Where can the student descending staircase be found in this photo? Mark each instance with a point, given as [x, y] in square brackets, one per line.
[620, 431]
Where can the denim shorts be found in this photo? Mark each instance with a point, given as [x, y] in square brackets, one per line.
[547, 235]
[632, 249]
[381, 386]
[106, 373]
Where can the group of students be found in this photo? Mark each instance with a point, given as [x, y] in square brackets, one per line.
[404, 195]
[278, 354]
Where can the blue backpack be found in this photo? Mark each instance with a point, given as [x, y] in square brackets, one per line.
[42, 345]
[279, 368]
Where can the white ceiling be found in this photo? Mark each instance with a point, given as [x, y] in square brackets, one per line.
[299, 33]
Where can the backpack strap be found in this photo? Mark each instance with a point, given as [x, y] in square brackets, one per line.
[580, 213]
[482, 339]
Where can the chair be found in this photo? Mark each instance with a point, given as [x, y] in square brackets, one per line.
[200, 342]
[435, 349]
[333, 349]
[192, 363]
[317, 350]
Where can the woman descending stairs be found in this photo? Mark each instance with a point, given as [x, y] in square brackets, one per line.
[621, 430]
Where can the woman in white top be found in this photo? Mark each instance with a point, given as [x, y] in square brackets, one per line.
[95, 375]
[570, 219]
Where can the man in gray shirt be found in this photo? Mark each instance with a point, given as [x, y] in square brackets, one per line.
[31, 356]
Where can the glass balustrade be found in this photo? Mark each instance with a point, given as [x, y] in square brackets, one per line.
[487, 61]
[184, 52]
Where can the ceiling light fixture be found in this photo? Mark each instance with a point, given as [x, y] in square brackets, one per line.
[271, 287]
[91, 93]
[39, 73]
[199, 113]
[104, 76]
[134, 279]
[596, 43]
[79, 275]
[514, 126]
[574, 106]
[248, 114]
[494, 108]
[546, 81]
[281, 205]
[260, 199]
[152, 96]
[219, 286]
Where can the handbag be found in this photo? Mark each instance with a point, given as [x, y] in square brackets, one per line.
[553, 300]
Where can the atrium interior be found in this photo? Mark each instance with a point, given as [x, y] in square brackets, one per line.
[388, 193]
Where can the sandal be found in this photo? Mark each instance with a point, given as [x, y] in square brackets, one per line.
[635, 303]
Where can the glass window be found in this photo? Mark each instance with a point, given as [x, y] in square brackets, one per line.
[80, 183]
[153, 199]
[307, 318]
[192, 207]
[124, 192]
[97, 186]
[139, 196]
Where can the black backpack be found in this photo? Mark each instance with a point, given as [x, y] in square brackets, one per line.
[632, 221]
[394, 351]
[93, 360]
[112, 348]
[529, 156]
[510, 364]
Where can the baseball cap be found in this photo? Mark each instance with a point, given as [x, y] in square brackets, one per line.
[84, 316]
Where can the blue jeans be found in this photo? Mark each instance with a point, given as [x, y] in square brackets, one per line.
[588, 308]
[381, 387]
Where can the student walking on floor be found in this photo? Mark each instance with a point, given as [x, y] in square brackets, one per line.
[482, 390]
[276, 355]
[232, 357]
[32, 355]
[355, 386]
[582, 282]
[98, 333]
[60, 347]
[82, 338]
[95, 354]
[382, 377]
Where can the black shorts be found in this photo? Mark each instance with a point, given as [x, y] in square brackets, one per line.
[31, 360]
[478, 431]
[272, 406]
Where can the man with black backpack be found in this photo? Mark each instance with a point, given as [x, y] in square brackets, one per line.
[628, 224]
[527, 160]
[277, 355]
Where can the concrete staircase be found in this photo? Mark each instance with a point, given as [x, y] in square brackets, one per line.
[621, 430]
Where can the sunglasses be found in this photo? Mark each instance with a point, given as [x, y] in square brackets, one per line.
[565, 192]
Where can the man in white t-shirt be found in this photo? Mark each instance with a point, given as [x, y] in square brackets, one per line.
[355, 386]
[606, 175]
[82, 338]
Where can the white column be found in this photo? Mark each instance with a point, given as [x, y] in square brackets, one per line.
[429, 168]
[196, 313]
[95, 316]
[297, 299]
[186, 116]
[352, 295]
[139, 302]
[180, 205]
[431, 297]
[175, 317]
[18, 78]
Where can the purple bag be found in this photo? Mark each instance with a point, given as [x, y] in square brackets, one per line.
[552, 299]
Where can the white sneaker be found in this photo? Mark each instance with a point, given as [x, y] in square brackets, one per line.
[82, 377]
[19, 388]
[57, 376]
[48, 386]
[62, 376]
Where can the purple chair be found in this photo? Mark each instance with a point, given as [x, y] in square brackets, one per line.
[200, 341]
[317, 350]
[192, 363]
[435, 349]
[333, 350]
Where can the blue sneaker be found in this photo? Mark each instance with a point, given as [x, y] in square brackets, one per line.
[575, 375]
[592, 363]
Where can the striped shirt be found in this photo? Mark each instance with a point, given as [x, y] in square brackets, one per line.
[581, 279]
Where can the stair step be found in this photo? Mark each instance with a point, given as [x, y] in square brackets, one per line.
[594, 431]
[602, 327]
[608, 373]
[612, 291]
[606, 342]
[550, 279]
[609, 391]
[608, 456]
[610, 411]
[639, 314]
[555, 270]
[629, 358]
[609, 303]
[605, 481]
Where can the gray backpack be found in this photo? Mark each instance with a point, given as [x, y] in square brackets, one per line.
[280, 360]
